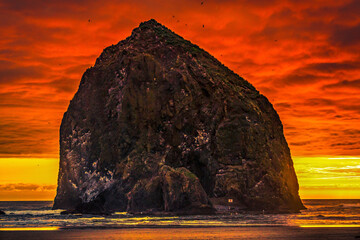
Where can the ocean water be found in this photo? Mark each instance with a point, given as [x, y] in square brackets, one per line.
[327, 213]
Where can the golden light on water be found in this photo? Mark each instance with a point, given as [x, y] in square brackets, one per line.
[330, 226]
[30, 229]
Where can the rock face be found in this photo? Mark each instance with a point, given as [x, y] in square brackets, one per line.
[159, 125]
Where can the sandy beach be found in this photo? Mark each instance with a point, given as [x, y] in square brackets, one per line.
[337, 233]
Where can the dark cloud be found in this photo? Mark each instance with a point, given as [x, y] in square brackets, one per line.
[354, 84]
[350, 11]
[300, 79]
[346, 36]
[352, 132]
[319, 102]
[25, 99]
[355, 107]
[26, 187]
[68, 85]
[336, 12]
[331, 67]
[283, 105]
[288, 25]
[47, 8]
[48, 187]
[315, 72]
[10, 72]
[300, 143]
[64, 84]
[344, 144]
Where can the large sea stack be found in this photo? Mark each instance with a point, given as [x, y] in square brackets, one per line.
[158, 125]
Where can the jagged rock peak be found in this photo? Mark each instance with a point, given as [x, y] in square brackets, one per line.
[152, 23]
[151, 29]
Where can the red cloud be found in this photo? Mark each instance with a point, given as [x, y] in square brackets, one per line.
[303, 55]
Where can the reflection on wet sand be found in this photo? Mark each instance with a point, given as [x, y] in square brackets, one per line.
[293, 233]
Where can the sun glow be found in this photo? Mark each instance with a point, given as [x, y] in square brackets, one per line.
[328, 177]
[25, 179]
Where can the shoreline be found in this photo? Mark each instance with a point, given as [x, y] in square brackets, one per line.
[55, 228]
[246, 232]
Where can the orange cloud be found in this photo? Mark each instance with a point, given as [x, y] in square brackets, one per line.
[302, 55]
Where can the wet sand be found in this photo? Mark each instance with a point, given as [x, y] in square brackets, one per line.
[292, 233]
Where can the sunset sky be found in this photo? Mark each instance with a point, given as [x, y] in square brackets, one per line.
[304, 56]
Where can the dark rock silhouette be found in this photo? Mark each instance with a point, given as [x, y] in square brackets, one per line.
[160, 125]
[2, 212]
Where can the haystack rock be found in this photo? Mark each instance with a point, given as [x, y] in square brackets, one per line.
[158, 125]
